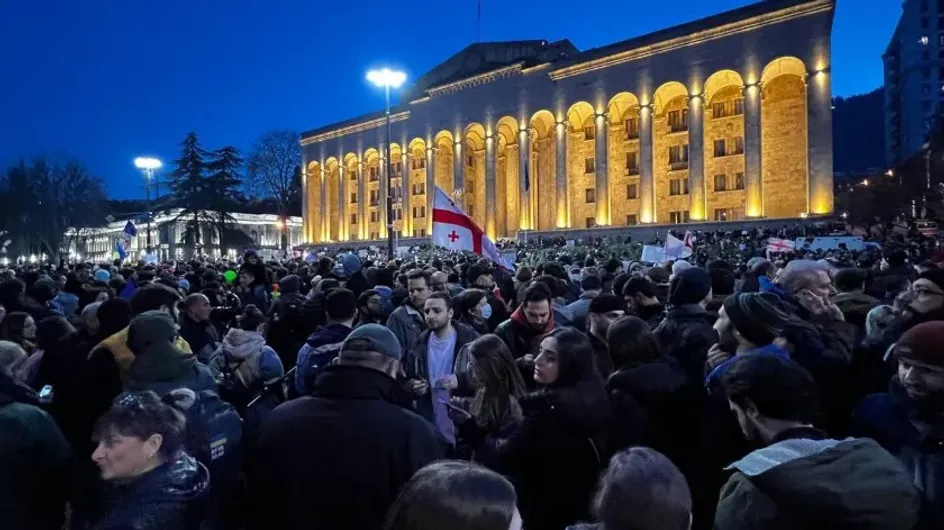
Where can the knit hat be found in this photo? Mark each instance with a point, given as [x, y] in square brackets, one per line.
[289, 284]
[756, 316]
[184, 284]
[102, 275]
[689, 286]
[922, 343]
[380, 338]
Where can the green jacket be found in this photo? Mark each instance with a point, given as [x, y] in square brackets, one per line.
[818, 484]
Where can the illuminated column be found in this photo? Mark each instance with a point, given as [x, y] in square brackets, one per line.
[819, 127]
[406, 225]
[325, 218]
[753, 180]
[362, 215]
[602, 178]
[526, 180]
[343, 228]
[696, 158]
[490, 171]
[306, 215]
[430, 187]
[647, 200]
[458, 175]
[382, 205]
[563, 212]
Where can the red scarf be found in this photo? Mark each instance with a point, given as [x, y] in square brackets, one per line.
[519, 318]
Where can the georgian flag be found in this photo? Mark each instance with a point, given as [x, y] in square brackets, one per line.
[454, 230]
[780, 245]
[676, 248]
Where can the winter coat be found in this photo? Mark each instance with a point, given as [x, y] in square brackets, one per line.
[407, 323]
[554, 457]
[171, 497]
[418, 367]
[855, 306]
[201, 336]
[810, 481]
[686, 334]
[63, 368]
[166, 369]
[912, 431]
[654, 406]
[579, 311]
[601, 356]
[520, 337]
[245, 354]
[322, 347]
[67, 304]
[337, 458]
[35, 463]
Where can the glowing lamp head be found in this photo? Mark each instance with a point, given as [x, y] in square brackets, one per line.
[147, 163]
[386, 77]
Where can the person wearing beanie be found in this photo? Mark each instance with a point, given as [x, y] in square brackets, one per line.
[908, 419]
[686, 332]
[102, 275]
[602, 311]
[926, 299]
[318, 455]
[748, 324]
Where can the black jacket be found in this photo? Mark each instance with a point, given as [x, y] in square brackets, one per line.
[553, 457]
[201, 336]
[686, 334]
[172, 496]
[337, 458]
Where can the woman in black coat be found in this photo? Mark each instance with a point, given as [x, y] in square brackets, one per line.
[555, 455]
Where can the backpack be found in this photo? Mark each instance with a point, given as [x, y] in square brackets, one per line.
[233, 390]
[214, 438]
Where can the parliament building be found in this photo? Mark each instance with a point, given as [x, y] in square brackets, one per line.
[721, 119]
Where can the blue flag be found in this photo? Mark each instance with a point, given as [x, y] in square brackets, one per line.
[124, 240]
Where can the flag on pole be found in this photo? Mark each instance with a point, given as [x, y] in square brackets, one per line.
[454, 230]
[123, 244]
[676, 248]
[780, 245]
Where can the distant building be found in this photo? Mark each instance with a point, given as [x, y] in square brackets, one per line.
[914, 78]
[721, 119]
[264, 232]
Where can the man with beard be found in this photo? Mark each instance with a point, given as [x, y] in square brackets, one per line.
[601, 313]
[369, 308]
[529, 323]
[925, 301]
[407, 321]
[483, 279]
[801, 478]
[908, 420]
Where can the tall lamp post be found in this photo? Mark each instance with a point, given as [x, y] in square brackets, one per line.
[148, 165]
[388, 79]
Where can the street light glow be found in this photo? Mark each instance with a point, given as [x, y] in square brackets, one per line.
[386, 77]
[147, 163]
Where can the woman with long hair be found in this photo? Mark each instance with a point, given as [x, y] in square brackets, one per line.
[556, 453]
[493, 411]
[19, 327]
[455, 495]
[153, 484]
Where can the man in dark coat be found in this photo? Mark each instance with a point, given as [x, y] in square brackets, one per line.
[686, 332]
[531, 321]
[337, 458]
[908, 420]
[802, 478]
[197, 329]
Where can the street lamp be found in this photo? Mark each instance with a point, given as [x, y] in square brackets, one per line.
[148, 165]
[388, 79]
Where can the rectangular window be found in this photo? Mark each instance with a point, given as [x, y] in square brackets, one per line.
[678, 120]
[470, 161]
[589, 132]
[739, 107]
[631, 219]
[632, 128]
[739, 181]
[375, 235]
[590, 195]
[398, 169]
[632, 191]
[398, 214]
[589, 165]
[731, 107]
[719, 148]
[590, 222]
[419, 162]
[353, 218]
[678, 156]
[678, 186]
[678, 217]
[353, 174]
[353, 197]
[374, 197]
[739, 145]
[375, 217]
[720, 183]
[422, 211]
[373, 173]
[471, 208]
[419, 188]
[632, 163]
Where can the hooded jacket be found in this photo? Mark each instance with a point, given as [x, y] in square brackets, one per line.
[855, 306]
[523, 339]
[818, 483]
[172, 496]
[246, 354]
[686, 334]
[158, 364]
[321, 348]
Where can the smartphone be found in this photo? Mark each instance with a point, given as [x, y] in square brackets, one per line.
[451, 406]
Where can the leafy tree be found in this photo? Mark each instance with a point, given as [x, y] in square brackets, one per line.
[222, 187]
[273, 171]
[189, 189]
[41, 201]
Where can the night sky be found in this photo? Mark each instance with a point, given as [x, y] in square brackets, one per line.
[108, 80]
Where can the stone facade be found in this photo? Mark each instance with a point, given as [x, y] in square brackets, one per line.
[725, 118]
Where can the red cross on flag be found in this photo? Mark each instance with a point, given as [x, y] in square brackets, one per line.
[454, 230]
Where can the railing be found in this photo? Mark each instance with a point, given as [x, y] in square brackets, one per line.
[682, 164]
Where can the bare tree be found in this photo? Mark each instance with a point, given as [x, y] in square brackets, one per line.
[273, 171]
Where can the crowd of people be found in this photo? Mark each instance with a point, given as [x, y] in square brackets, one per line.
[732, 390]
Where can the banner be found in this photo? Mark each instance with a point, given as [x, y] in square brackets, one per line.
[676, 248]
[652, 254]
